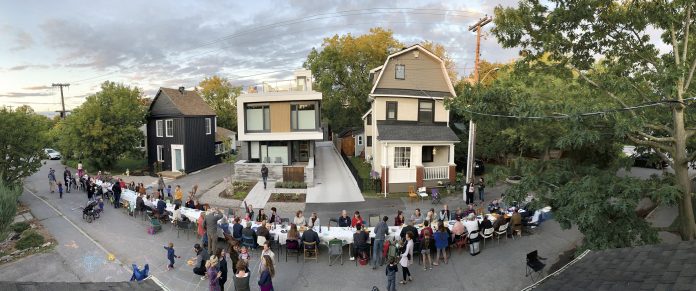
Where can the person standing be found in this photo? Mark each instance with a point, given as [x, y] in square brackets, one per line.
[406, 258]
[66, 179]
[117, 194]
[213, 274]
[90, 189]
[381, 231]
[60, 190]
[210, 225]
[265, 279]
[470, 192]
[391, 271]
[222, 267]
[481, 186]
[80, 171]
[52, 179]
[170, 255]
[160, 185]
[241, 277]
[264, 175]
[178, 195]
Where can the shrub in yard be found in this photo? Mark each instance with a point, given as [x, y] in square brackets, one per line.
[19, 227]
[29, 239]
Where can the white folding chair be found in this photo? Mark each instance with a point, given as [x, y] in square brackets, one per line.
[422, 193]
[502, 230]
[487, 233]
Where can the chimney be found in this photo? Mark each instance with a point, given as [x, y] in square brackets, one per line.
[181, 90]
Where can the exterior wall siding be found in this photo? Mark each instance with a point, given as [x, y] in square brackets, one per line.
[199, 148]
[166, 142]
[407, 109]
[280, 116]
[422, 73]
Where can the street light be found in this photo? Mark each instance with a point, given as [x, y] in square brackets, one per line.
[487, 73]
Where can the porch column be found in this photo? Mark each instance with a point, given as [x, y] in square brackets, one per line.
[420, 171]
[452, 166]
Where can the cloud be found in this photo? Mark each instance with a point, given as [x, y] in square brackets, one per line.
[38, 87]
[24, 67]
[19, 39]
[24, 94]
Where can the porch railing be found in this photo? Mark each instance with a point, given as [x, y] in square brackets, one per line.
[436, 173]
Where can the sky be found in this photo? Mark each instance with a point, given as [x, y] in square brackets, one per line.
[152, 44]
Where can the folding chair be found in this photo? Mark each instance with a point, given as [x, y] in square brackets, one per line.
[412, 193]
[534, 266]
[435, 193]
[184, 225]
[292, 246]
[260, 240]
[311, 251]
[335, 251]
[422, 193]
[373, 220]
[487, 233]
[155, 224]
[502, 230]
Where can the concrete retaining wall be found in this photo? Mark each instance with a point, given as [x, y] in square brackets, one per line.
[309, 173]
[244, 171]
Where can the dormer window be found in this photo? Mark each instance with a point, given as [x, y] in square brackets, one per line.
[400, 72]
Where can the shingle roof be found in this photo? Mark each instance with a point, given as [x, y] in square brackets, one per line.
[222, 134]
[189, 103]
[653, 267]
[79, 286]
[415, 132]
[411, 92]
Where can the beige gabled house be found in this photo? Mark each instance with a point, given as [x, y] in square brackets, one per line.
[408, 140]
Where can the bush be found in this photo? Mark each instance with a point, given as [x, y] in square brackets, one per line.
[29, 239]
[291, 185]
[20, 227]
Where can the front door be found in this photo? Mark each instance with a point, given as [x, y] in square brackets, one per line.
[178, 158]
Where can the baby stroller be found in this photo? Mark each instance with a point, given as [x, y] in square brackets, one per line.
[91, 211]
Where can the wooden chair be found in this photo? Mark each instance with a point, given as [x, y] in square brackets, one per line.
[311, 251]
[412, 195]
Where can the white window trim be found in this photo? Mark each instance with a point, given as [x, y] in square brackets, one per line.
[160, 150]
[209, 126]
[159, 132]
[402, 162]
[360, 140]
[166, 128]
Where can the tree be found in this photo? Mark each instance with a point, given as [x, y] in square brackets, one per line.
[8, 205]
[222, 97]
[21, 143]
[607, 45]
[104, 127]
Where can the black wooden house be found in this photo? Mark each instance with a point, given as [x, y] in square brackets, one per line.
[180, 132]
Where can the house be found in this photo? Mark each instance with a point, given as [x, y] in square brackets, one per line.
[407, 135]
[180, 131]
[221, 135]
[650, 267]
[352, 142]
[278, 127]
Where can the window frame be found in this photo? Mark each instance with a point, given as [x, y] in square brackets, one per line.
[402, 160]
[294, 116]
[396, 71]
[429, 150]
[360, 139]
[208, 126]
[368, 141]
[167, 133]
[432, 115]
[160, 153]
[369, 119]
[159, 128]
[265, 107]
[396, 110]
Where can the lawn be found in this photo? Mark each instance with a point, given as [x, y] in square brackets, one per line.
[134, 165]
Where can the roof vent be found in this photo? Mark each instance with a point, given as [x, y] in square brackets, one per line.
[416, 53]
[181, 90]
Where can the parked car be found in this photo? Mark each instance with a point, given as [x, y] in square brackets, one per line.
[52, 154]
[648, 159]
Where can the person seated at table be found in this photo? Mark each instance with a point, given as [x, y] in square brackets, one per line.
[262, 216]
[485, 224]
[360, 239]
[161, 206]
[248, 232]
[142, 189]
[313, 221]
[176, 215]
[430, 216]
[407, 228]
[140, 203]
[293, 234]
[237, 229]
[444, 213]
[190, 203]
[309, 236]
[344, 219]
[469, 210]
[494, 206]
[263, 231]
[275, 218]
[417, 216]
[299, 219]
[471, 224]
[399, 218]
[224, 224]
[249, 212]
[459, 214]
[132, 186]
[357, 219]
[426, 230]
[516, 221]
[199, 205]
[458, 229]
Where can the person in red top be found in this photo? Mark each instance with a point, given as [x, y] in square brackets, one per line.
[399, 219]
[426, 229]
[357, 219]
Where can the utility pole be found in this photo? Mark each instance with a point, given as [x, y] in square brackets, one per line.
[470, 159]
[62, 99]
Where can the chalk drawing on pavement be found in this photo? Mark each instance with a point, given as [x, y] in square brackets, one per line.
[72, 244]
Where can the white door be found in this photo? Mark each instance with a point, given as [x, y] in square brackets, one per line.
[178, 157]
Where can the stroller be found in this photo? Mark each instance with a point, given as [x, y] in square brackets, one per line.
[91, 211]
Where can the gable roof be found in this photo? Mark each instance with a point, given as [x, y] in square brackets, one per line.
[222, 134]
[189, 103]
[79, 286]
[652, 267]
[413, 47]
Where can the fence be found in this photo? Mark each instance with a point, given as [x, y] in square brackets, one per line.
[364, 184]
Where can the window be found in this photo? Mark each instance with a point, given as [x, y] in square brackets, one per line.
[369, 140]
[159, 127]
[258, 118]
[169, 127]
[303, 116]
[219, 148]
[208, 127]
[160, 153]
[425, 111]
[142, 143]
[369, 119]
[400, 72]
[359, 139]
[427, 154]
[392, 108]
[402, 157]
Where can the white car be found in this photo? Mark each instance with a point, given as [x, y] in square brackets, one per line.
[52, 154]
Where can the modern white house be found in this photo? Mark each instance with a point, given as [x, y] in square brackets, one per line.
[278, 126]
[407, 135]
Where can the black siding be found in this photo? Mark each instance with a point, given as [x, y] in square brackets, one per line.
[199, 148]
[153, 141]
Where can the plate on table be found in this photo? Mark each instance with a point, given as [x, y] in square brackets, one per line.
[283, 231]
[451, 223]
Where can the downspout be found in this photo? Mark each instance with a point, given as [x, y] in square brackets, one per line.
[386, 170]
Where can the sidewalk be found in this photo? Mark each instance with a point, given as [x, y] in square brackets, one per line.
[333, 181]
[664, 216]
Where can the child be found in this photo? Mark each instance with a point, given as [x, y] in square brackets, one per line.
[391, 271]
[425, 251]
[169, 191]
[60, 190]
[244, 254]
[101, 204]
[171, 256]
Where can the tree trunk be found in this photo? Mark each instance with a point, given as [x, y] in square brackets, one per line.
[687, 224]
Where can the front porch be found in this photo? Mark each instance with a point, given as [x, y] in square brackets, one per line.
[425, 165]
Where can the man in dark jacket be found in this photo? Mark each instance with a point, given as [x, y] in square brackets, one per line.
[360, 239]
[264, 175]
[222, 267]
[117, 194]
[67, 177]
[408, 228]
[344, 219]
[263, 231]
[210, 225]
[381, 231]
[248, 232]
[310, 236]
[237, 229]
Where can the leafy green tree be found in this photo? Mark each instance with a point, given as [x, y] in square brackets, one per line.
[219, 93]
[21, 143]
[8, 205]
[104, 127]
[607, 45]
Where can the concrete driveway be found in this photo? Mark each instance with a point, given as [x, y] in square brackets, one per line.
[333, 181]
